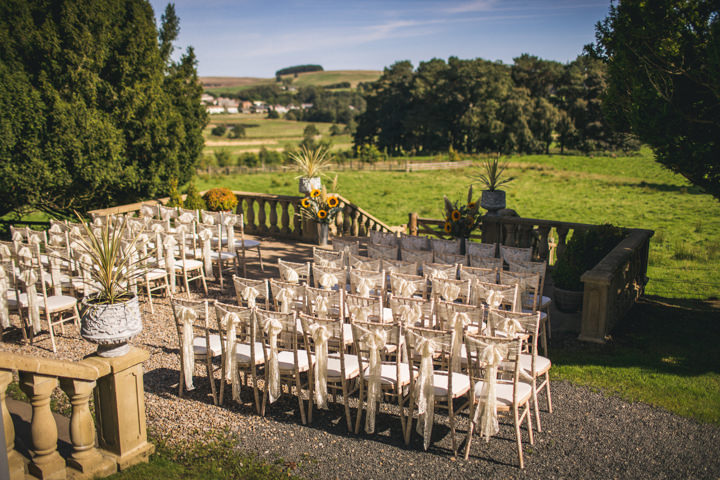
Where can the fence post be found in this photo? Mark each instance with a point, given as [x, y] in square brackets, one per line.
[413, 223]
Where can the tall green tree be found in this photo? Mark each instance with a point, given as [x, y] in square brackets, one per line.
[94, 111]
[663, 60]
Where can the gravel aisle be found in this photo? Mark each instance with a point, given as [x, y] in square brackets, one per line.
[587, 436]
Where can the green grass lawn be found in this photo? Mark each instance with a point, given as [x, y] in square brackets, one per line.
[330, 77]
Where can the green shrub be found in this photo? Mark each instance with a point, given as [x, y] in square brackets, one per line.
[193, 200]
[224, 159]
[219, 131]
[220, 200]
[582, 252]
[175, 198]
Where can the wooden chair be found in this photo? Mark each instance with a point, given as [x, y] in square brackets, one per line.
[414, 312]
[249, 291]
[237, 329]
[197, 343]
[433, 388]
[293, 272]
[439, 270]
[284, 360]
[334, 369]
[418, 256]
[544, 303]
[383, 238]
[402, 285]
[366, 283]
[363, 263]
[328, 258]
[242, 245]
[385, 252]
[442, 246]
[450, 258]
[515, 254]
[481, 261]
[190, 269]
[287, 296]
[511, 396]
[480, 249]
[365, 308]
[494, 295]
[489, 275]
[329, 277]
[400, 266]
[413, 242]
[450, 290]
[348, 247]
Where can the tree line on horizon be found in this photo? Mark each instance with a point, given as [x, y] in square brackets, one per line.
[473, 106]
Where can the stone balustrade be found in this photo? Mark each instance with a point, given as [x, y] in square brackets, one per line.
[120, 430]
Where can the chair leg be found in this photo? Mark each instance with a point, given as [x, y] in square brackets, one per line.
[518, 438]
[358, 417]
[535, 404]
[529, 424]
[211, 377]
[547, 390]
[300, 399]
[347, 405]
[202, 278]
[149, 295]
[52, 333]
[255, 389]
[470, 429]
[262, 267]
[77, 319]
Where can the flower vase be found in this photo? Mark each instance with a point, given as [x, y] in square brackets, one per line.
[322, 230]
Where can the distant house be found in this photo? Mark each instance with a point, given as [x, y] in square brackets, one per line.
[305, 106]
[281, 109]
[214, 109]
[207, 99]
[232, 110]
[228, 102]
[246, 106]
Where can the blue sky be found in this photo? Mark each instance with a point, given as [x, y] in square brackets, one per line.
[252, 38]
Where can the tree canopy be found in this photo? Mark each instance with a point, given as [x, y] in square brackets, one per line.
[95, 111]
[482, 106]
[663, 60]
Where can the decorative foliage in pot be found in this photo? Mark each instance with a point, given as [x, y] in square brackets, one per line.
[491, 175]
[111, 315]
[220, 200]
[461, 220]
[312, 163]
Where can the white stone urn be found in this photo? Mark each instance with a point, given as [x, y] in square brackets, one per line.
[308, 184]
[492, 201]
[111, 326]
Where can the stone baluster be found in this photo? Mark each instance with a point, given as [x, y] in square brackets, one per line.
[239, 209]
[15, 461]
[562, 232]
[509, 230]
[362, 225]
[347, 220]
[525, 233]
[262, 218]
[274, 229]
[339, 223]
[250, 216]
[355, 228]
[297, 221]
[46, 461]
[543, 250]
[85, 457]
[285, 217]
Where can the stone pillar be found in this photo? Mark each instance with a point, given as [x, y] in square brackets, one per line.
[15, 460]
[596, 298]
[46, 461]
[85, 457]
[120, 408]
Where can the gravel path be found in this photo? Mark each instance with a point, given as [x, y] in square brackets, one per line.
[588, 435]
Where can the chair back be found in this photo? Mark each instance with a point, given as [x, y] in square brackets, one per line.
[485, 262]
[364, 263]
[515, 254]
[366, 283]
[481, 249]
[388, 252]
[328, 277]
[293, 272]
[443, 246]
[402, 285]
[494, 295]
[413, 242]
[400, 266]
[328, 258]
[248, 291]
[417, 256]
[451, 290]
[324, 303]
[450, 258]
[488, 275]
[417, 312]
[287, 296]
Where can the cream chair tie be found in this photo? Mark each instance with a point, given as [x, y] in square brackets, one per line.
[449, 291]
[360, 313]
[206, 235]
[491, 355]
[229, 322]
[273, 327]
[364, 286]
[187, 319]
[322, 306]
[285, 297]
[56, 239]
[186, 218]
[327, 281]
[55, 229]
[147, 211]
[437, 273]
[410, 315]
[249, 294]
[403, 288]
[166, 213]
[4, 311]
[511, 326]
[169, 245]
[29, 278]
[5, 253]
[208, 219]
[229, 223]
[494, 298]
[375, 340]
[320, 336]
[425, 389]
[459, 321]
[288, 274]
[158, 230]
[17, 237]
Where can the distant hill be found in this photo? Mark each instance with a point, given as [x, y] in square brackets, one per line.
[225, 85]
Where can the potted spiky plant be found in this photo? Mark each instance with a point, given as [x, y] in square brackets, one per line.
[492, 170]
[312, 162]
[110, 315]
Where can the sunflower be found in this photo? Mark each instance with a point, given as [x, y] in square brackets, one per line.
[448, 227]
[471, 205]
[322, 214]
[315, 193]
[455, 215]
[305, 202]
[332, 202]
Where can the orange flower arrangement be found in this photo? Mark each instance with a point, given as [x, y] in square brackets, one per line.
[461, 220]
[319, 206]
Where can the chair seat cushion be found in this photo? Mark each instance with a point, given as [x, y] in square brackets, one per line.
[242, 353]
[155, 274]
[286, 361]
[12, 300]
[504, 392]
[223, 255]
[542, 364]
[248, 243]
[56, 303]
[352, 367]
[189, 265]
[543, 315]
[387, 315]
[200, 346]
[545, 301]
[388, 374]
[460, 384]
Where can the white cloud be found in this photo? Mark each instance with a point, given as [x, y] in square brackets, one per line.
[473, 6]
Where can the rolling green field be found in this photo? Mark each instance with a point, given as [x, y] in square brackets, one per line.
[273, 134]
[232, 85]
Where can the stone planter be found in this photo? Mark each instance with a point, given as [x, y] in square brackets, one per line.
[568, 301]
[308, 184]
[492, 201]
[322, 230]
[111, 326]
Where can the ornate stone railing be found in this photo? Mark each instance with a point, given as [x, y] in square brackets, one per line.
[117, 386]
[279, 216]
[610, 288]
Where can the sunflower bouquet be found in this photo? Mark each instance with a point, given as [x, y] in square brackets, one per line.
[461, 220]
[320, 206]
